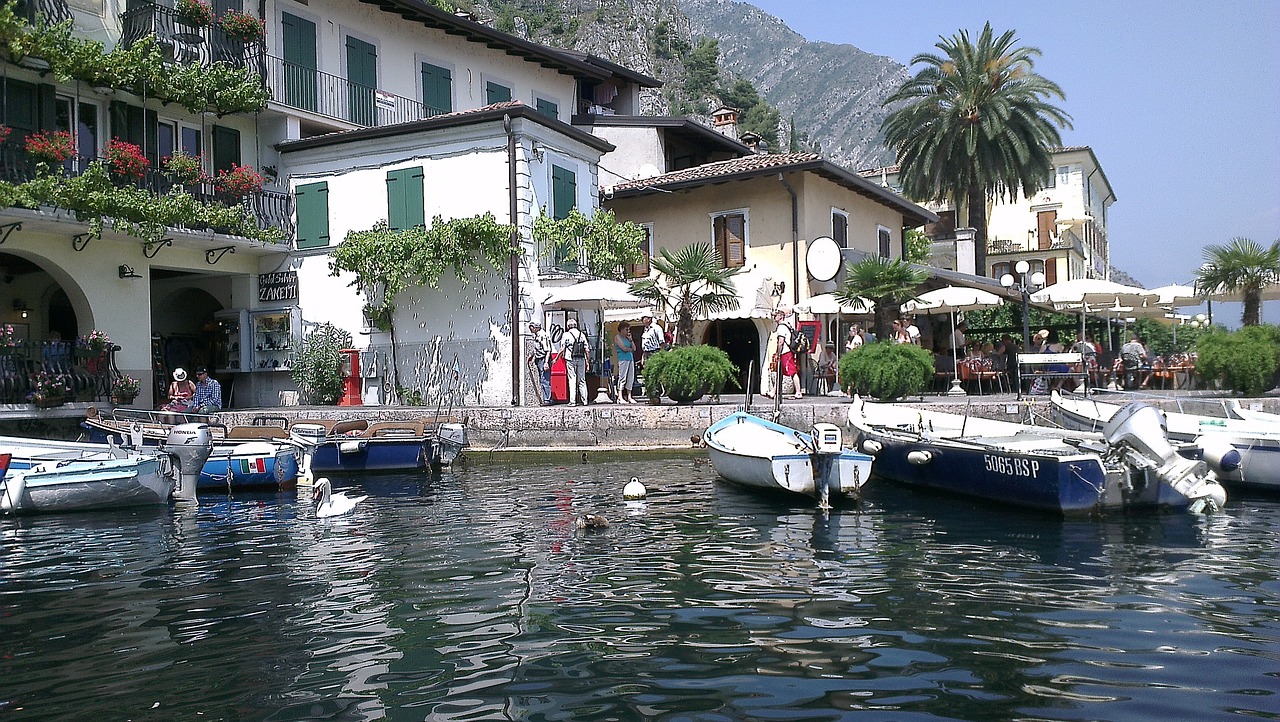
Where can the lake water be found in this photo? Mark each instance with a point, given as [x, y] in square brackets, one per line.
[472, 596]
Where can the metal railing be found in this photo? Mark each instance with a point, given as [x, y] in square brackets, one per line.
[270, 209]
[316, 91]
[998, 246]
[1069, 239]
[53, 11]
[183, 42]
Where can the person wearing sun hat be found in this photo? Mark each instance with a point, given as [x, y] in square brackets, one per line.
[181, 391]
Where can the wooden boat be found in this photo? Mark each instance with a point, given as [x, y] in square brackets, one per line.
[51, 476]
[243, 457]
[1130, 465]
[360, 445]
[758, 454]
[1256, 441]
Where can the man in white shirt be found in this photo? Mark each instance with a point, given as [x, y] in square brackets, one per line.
[574, 349]
[913, 331]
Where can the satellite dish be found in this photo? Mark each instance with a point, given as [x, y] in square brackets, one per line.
[823, 258]
[648, 170]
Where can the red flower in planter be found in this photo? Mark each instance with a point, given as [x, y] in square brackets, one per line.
[239, 182]
[4, 133]
[126, 159]
[51, 146]
[242, 26]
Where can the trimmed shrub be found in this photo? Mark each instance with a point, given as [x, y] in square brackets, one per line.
[1245, 361]
[316, 368]
[886, 370]
[686, 373]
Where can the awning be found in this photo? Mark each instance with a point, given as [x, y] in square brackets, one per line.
[755, 299]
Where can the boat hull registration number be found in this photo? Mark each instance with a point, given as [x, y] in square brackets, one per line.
[1011, 466]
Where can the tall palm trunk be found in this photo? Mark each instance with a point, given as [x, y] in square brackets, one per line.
[977, 201]
[1252, 309]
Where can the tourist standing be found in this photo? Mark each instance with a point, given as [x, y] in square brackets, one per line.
[208, 396]
[913, 331]
[786, 359]
[539, 354]
[574, 351]
[625, 347]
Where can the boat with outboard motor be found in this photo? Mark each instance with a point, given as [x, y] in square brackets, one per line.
[1255, 442]
[758, 454]
[54, 476]
[243, 457]
[356, 445]
[1129, 465]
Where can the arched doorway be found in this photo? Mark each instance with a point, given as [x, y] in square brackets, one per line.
[740, 339]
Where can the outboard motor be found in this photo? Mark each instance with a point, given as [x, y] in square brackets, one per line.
[451, 439]
[189, 445]
[1139, 429]
[308, 437]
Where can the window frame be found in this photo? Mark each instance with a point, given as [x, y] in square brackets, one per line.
[844, 215]
[420, 60]
[487, 80]
[884, 241]
[746, 235]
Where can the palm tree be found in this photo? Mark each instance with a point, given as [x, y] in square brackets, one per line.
[888, 282]
[693, 283]
[1242, 266]
[977, 124]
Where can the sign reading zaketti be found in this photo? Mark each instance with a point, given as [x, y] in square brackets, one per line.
[282, 286]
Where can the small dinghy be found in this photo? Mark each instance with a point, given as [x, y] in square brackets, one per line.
[758, 454]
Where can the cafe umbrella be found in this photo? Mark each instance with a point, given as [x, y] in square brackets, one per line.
[951, 299]
[601, 295]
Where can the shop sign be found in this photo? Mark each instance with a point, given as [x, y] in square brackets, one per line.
[280, 286]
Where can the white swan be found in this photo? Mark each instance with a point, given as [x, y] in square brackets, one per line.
[331, 504]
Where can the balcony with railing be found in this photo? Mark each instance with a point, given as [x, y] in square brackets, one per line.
[1069, 240]
[315, 91]
[1001, 246]
[268, 209]
[185, 42]
[51, 12]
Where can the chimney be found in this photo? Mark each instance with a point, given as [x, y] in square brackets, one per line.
[464, 15]
[725, 120]
[752, 141]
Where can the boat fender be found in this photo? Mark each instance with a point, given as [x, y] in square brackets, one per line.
[634, 489]
[1219, 454]
[350, 447]
[920, 457]
[871, 446]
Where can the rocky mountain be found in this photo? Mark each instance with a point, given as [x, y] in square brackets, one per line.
[832, 93]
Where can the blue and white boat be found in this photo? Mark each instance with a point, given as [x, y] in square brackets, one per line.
[357, 445]
[1255, 440]
[758, 454]
[1129, 465]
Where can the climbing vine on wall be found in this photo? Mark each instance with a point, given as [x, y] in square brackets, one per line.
[605, 246]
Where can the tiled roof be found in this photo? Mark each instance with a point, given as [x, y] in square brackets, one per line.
[721, 168]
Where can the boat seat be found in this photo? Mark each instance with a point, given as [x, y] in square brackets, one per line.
[349, 426]
[256, 432]
[395, 428]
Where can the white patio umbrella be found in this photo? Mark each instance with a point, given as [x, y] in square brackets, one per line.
[1175, 295]
[827, 303]
[952, 299]
[601, 294]
[1090, 295]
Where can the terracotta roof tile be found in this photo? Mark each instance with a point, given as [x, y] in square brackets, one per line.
[733, 166]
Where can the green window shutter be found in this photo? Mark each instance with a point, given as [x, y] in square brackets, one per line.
[312, 204]
[564, 191]
[362, 81]
[405, 205]
[226, 148]
[298, 40]
[495, 93]
[548, 108]
[437, 89]
[48, 107]
[20, 108]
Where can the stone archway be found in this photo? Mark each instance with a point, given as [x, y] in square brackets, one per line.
[740, 339]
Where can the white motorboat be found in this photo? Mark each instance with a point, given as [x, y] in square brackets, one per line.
[752, 452]
[1256, 441]
[1130, 465]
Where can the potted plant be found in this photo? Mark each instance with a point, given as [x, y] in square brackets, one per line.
[886, 370]
[126, 161]
[124, 389]
[686, 373]
[49, 390]
[185, 169]
[194, 13]
[238, 182]
[242, 26]
[50, 147]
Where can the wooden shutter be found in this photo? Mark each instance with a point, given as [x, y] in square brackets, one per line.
[730, 239]
[548, 108]
[884, 239]
[641, 268]
[564, 191]
[21, 109]
[405, 204]
[437, 89]
[495, 93]
[132, 124]
[1050, 271]
[840, 229]
[226, 148]
[1046, 223]
[312, 204]
[362, 80]
[298, 41]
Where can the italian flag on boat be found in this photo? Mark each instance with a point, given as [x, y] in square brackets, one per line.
[249, 466]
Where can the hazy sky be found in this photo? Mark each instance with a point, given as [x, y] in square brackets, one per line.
[1179, 100]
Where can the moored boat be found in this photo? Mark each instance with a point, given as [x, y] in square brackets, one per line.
[357, 445]
[752, 452]
[1256, 441]
[1130, 465]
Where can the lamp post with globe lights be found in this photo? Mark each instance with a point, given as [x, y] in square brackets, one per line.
[1026, 285]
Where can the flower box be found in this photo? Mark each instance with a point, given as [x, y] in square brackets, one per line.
[242, 26]
[194, 12]
[47, 402]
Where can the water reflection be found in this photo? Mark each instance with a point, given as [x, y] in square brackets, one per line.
[472, 595]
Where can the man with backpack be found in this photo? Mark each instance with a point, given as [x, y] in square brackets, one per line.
[539, 355]
[790, 343]
[574, 350]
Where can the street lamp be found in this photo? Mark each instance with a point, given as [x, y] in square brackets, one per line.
[1026, 286]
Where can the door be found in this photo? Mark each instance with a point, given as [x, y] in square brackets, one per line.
[362, 81]
[1046, 224]
[740, 339]
[299, 40]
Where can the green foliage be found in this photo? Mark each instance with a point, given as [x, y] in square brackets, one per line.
[917, 247]
[886, 370]
[316, 369]
[975, 123]
[1159, 336]
[702, 66]
[686, 373]
[606, 245]
[692, 282]
[95, 199]
[1242, 266]
[888, 282]
[390, 261]
[755, 114]
[1246, 361]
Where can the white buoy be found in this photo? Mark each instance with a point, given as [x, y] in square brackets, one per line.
[634, 489]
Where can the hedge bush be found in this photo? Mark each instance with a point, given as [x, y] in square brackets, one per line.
[686, 373]
[1245, 361]
[886, 370]
[316, 368]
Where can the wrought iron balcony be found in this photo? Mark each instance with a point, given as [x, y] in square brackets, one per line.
[316, 91]
[184, 42]
[998, 246]
[53, 11]
[270, 209]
